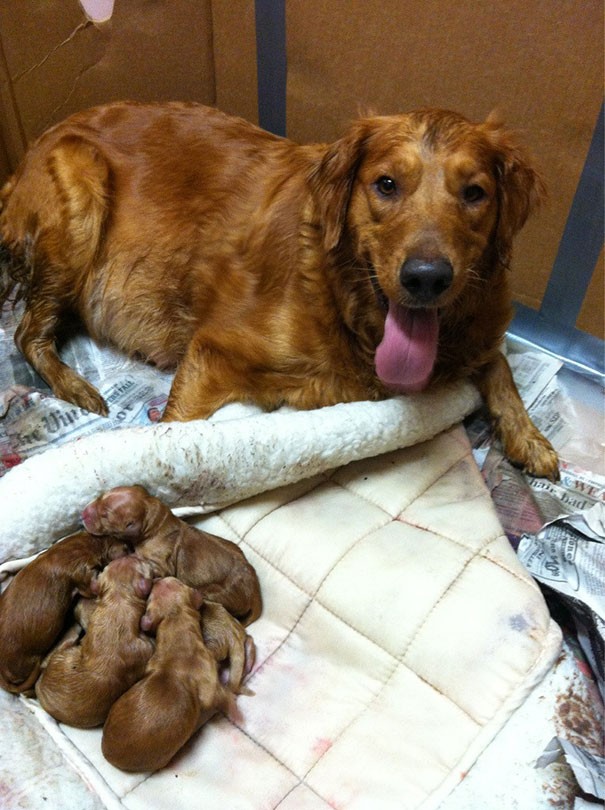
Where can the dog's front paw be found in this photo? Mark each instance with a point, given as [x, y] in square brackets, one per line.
[533, 454]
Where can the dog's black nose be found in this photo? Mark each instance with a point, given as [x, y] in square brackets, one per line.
[426, 279]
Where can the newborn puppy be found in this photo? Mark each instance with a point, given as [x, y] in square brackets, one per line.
[180, 691]
[228, 642]
[214, 566]
[81, 681]
[34, 607]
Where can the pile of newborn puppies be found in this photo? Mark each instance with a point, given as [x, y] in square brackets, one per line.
[156, 641]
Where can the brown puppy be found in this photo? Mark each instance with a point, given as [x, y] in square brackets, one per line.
[179, 692]
[269, 272]
[35, 605]
[216, 567]
[80, 682]
[228, 642]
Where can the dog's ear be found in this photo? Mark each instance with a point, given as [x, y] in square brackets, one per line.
[197, 599]
[146, 624]
[520, 187]
[95, 588]
[332, 181]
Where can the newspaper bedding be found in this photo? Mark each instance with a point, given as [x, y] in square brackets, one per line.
[33, 420]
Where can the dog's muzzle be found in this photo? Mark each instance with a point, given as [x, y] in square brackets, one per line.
[425, 280]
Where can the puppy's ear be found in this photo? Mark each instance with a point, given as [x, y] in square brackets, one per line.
[142, 586]
[94, 584]
[520, 187]
[197, 599]
[146, 623]
[332, 181]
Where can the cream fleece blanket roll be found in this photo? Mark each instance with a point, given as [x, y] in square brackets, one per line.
[201, 466]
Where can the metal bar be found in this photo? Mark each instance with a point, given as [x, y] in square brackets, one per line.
[581, 242]
[270, 21]
[578, 350]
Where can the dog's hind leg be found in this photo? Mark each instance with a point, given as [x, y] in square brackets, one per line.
[35, 338]
[52, 221]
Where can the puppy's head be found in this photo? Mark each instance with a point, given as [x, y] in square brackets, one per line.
[429, 203]
[130, 575]
[121, 512]
[169, 596]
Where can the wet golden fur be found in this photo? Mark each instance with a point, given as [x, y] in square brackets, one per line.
[81, 680]
[179, 691]
[34, 607]
[259, 268]
[216, 567]
[228, 642]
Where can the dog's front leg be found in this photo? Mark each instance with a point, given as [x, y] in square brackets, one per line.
[522, 442]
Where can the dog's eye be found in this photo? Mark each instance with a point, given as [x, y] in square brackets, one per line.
[473, 193]
[386, 186]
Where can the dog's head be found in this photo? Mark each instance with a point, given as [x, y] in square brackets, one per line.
[121, 512]
[430, 202]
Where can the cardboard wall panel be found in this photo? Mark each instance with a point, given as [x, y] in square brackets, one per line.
[539, 63]
[57, 61]
[234, 48]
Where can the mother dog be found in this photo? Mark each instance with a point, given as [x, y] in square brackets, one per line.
[271, 272]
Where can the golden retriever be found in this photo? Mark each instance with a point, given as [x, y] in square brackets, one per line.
[80, 680]
[35, 606]
[214, 566]
[179, 691]
[271, 272]
[229, 643]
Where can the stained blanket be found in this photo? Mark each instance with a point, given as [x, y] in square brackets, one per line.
[399, 631]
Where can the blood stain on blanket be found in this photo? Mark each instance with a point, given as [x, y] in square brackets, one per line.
[322, 745]
[576, 722]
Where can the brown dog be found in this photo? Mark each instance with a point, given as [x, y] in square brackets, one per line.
[228, 642]
[80, 682]
[179, 692]
[34, 607]
[269, 272]
[214, 566]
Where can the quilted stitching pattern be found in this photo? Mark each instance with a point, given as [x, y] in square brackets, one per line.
[397, 627]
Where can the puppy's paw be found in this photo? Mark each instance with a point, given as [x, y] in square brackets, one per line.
[533, 454]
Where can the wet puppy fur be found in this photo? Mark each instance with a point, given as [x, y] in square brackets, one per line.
[216, 567]
[266, 271]
[229, 643]
[81, 680]
[34, 607]
[179, 691]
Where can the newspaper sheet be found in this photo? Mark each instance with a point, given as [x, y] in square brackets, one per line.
[31, 419]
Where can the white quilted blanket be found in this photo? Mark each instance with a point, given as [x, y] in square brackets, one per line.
[399, 631]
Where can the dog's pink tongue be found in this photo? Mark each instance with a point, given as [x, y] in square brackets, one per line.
[406, 355]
